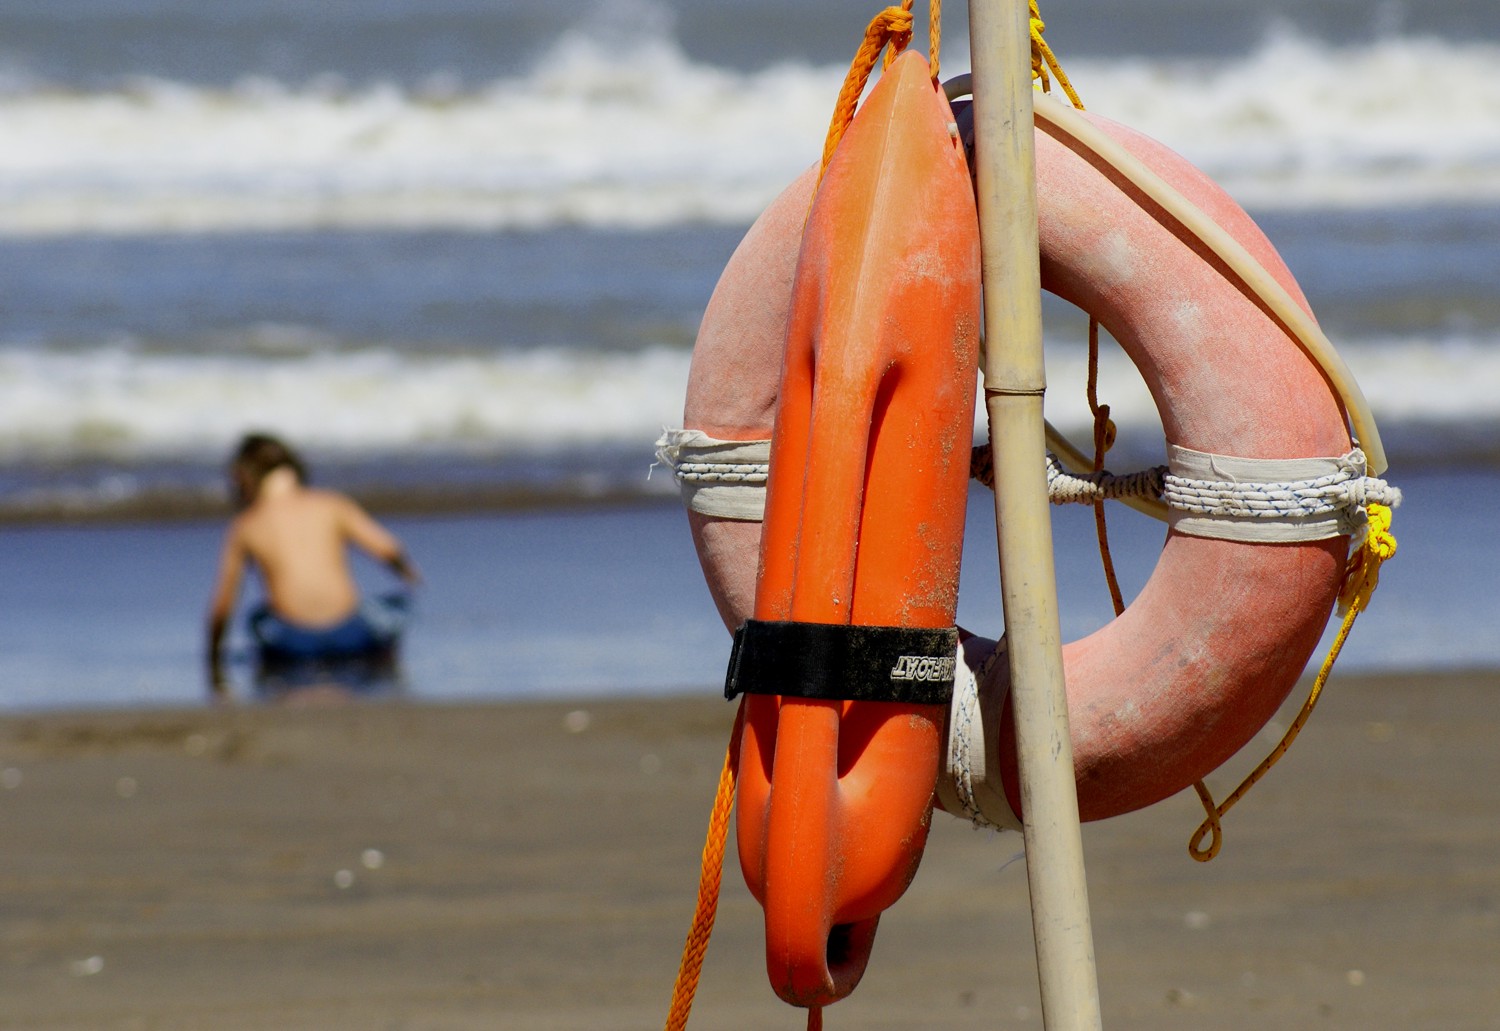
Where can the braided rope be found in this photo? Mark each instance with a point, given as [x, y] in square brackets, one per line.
[966, 762]
[1065, 488]
[965, 712]
[934, 35]
[1043, 60]
[709, 879]
[1345, 488]
[711, 472]
[892, 25]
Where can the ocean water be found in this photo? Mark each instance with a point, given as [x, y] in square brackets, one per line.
[458, 251]
[582, 602]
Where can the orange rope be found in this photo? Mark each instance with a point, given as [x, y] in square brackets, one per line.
[709, 878]
[934, 34]
[1104, 439]
[893, 26]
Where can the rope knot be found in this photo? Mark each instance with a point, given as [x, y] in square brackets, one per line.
[1105, 432]
[1363, 574]
[896, 24]
[897, 21]
[1380, 540]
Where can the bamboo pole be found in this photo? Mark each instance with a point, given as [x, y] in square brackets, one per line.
[1014, 384]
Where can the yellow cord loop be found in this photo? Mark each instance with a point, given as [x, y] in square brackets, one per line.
[709, 879]
[1044, 60]
[1364, 568]
[1360, 579]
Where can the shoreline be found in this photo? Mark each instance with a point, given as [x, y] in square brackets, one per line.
[463, 486]
[533, 865]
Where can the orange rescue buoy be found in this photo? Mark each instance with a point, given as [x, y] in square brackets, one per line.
[858, 330]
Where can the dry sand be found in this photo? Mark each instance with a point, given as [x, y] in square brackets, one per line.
[522, 866]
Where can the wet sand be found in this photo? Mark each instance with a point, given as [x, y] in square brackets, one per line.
[533, 866]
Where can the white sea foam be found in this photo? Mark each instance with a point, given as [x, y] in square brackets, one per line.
[643, 136]
[1397, 121]
[127, 405]
[118, 404]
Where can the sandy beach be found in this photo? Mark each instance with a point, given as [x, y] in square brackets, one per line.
[533, 866]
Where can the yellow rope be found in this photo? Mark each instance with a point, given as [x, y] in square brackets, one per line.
[1043, 60]
[934, 35]
[1360, 579]
[709, 879]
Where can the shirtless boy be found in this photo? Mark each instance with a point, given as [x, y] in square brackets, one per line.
[297, 537]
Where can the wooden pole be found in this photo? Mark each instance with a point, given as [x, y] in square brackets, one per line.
[1014, 384]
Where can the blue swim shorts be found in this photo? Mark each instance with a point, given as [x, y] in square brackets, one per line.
[375, 627]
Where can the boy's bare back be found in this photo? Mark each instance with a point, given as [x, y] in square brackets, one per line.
[299, 541]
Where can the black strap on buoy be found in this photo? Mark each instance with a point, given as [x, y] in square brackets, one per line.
[841, 662]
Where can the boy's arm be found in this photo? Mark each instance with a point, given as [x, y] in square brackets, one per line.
[221, 606]
[375, 539]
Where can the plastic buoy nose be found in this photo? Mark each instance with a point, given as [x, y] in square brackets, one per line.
[824, 883]
[822, 859]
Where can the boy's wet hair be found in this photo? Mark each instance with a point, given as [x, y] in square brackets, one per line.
[257, 455]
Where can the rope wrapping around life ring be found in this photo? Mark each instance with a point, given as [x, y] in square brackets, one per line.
[1217, 496]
